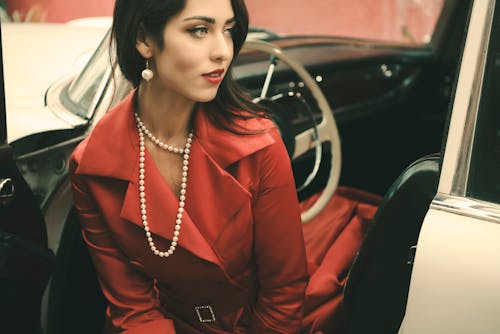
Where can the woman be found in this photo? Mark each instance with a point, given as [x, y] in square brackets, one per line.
[184, 190]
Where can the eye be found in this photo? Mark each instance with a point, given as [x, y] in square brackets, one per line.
[198, 31]
[230, 30]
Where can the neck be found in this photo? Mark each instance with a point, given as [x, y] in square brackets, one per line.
[167, 117]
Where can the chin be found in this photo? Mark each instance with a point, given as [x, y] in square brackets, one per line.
[206, 97]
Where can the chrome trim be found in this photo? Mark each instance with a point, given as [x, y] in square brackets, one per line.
[461, 174]
[55, 147]
[99, 94]
[7, 191]
[211, 314]
[468, 207]
[54, 105]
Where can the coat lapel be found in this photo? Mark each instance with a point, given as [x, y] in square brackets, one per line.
[213, 194]
[214, 150]
[162, 207]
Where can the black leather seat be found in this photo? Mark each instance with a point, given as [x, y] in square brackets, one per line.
[376, 291]
[76, 303]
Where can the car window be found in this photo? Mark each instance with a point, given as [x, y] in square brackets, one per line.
[409, 21]
[83, 89]
[484, 175]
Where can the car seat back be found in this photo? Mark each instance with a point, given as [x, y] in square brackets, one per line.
[376, 291]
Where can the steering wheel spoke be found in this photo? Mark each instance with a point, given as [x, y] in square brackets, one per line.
[270, 71]
[306, 140]
[312, 138]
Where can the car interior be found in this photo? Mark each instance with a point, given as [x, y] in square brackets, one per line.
[390, 104]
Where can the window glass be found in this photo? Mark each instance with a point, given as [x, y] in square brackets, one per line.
[484, 177]
[82, 90]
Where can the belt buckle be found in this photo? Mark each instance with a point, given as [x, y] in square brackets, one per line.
[205, 313]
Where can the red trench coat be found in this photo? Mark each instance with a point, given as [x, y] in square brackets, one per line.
[241, 241]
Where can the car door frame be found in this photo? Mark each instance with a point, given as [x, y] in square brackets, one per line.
[452, 288]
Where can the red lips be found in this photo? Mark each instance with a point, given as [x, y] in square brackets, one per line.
[215, 76]
[218, 71]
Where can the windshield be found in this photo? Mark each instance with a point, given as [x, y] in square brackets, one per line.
[400, 21]
[83, 89]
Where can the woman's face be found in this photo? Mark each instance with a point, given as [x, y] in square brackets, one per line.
[197, 51]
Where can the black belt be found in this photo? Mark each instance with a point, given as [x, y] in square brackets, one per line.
[204, 309]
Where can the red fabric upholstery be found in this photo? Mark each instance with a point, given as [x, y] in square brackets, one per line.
[332, 241]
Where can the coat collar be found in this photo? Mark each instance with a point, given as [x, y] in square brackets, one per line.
[112, 152]
[114, 142]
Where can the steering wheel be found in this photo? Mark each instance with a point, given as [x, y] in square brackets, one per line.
[324, 132]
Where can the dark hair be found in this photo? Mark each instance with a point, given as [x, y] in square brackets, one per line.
[132, 17]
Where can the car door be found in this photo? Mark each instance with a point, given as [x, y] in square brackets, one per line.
[25, 260]
[454, 286]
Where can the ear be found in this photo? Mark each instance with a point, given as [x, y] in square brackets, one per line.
[143, 43]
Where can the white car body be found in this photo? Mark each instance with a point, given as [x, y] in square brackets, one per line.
[455, 280]
[41, 53]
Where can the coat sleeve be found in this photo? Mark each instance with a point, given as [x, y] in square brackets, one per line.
[279, 246]
[133, 306]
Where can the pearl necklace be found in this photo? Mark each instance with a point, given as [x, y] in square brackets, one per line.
[156, 140]
[142, 194]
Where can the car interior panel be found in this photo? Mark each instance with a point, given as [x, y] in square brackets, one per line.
[377, 287]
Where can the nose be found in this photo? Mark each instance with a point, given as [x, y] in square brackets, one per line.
[222, 48]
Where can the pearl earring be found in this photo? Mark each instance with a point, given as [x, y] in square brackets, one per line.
[147, 74]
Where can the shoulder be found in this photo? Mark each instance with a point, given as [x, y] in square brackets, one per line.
[258, 128]
[253, 124]
[272, 159]
[272, 155]
[262, 129]
[116, 120]
[227, 147]
[110, 144]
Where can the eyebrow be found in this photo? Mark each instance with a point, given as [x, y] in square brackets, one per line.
[208, 19]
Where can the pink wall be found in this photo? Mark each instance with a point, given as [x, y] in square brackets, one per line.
[385, 19]
[362, 18]
[63, 10]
